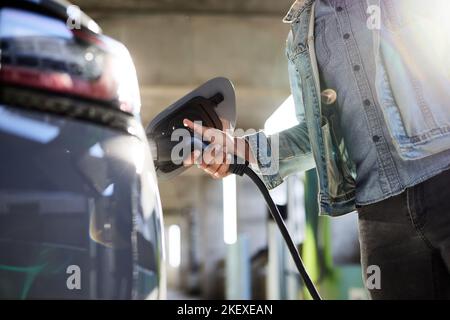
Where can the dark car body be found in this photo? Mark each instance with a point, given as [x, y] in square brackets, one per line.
[80, 214]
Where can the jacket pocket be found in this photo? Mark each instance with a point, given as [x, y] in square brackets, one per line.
[340, 177]
[413, 77]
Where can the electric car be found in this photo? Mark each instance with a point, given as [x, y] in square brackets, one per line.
[80, 214]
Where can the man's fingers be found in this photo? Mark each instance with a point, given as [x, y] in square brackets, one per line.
[193, 158]
[223, 171]
[219, 168]
[213, 161]
[215, 170]
[188, 123]
[213, 154]
[196, 127]
[207, 133]
[212, 169]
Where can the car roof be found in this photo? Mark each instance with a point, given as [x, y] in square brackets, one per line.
[60, 9]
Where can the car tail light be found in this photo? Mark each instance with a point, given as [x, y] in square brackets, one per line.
[41, 52]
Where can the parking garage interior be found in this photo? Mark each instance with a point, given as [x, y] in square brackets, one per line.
[177, 45]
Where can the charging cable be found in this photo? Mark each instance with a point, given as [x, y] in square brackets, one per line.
[241, 169]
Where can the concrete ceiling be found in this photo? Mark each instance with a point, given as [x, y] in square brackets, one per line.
[254, 7]
[179, 44]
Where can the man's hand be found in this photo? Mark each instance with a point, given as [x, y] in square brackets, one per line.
[216, 158]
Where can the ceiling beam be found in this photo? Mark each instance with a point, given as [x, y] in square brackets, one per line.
[251, 7]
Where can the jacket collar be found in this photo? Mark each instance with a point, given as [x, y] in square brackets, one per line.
[296, 7]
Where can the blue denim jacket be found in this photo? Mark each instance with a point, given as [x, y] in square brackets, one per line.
[315, 141]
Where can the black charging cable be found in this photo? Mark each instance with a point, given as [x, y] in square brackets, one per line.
[241, 169]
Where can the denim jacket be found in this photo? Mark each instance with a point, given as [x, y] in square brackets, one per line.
[316, 141]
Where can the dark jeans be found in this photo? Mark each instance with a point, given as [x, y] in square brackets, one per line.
[408, 238]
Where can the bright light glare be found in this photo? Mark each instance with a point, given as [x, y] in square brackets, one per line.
[137, 152]
[283, 118]
[229, 210]
[128, 86]
[174, 246]
[93, 26]
[27, 128]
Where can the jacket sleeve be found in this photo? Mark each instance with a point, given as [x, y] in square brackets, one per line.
[281, 154]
